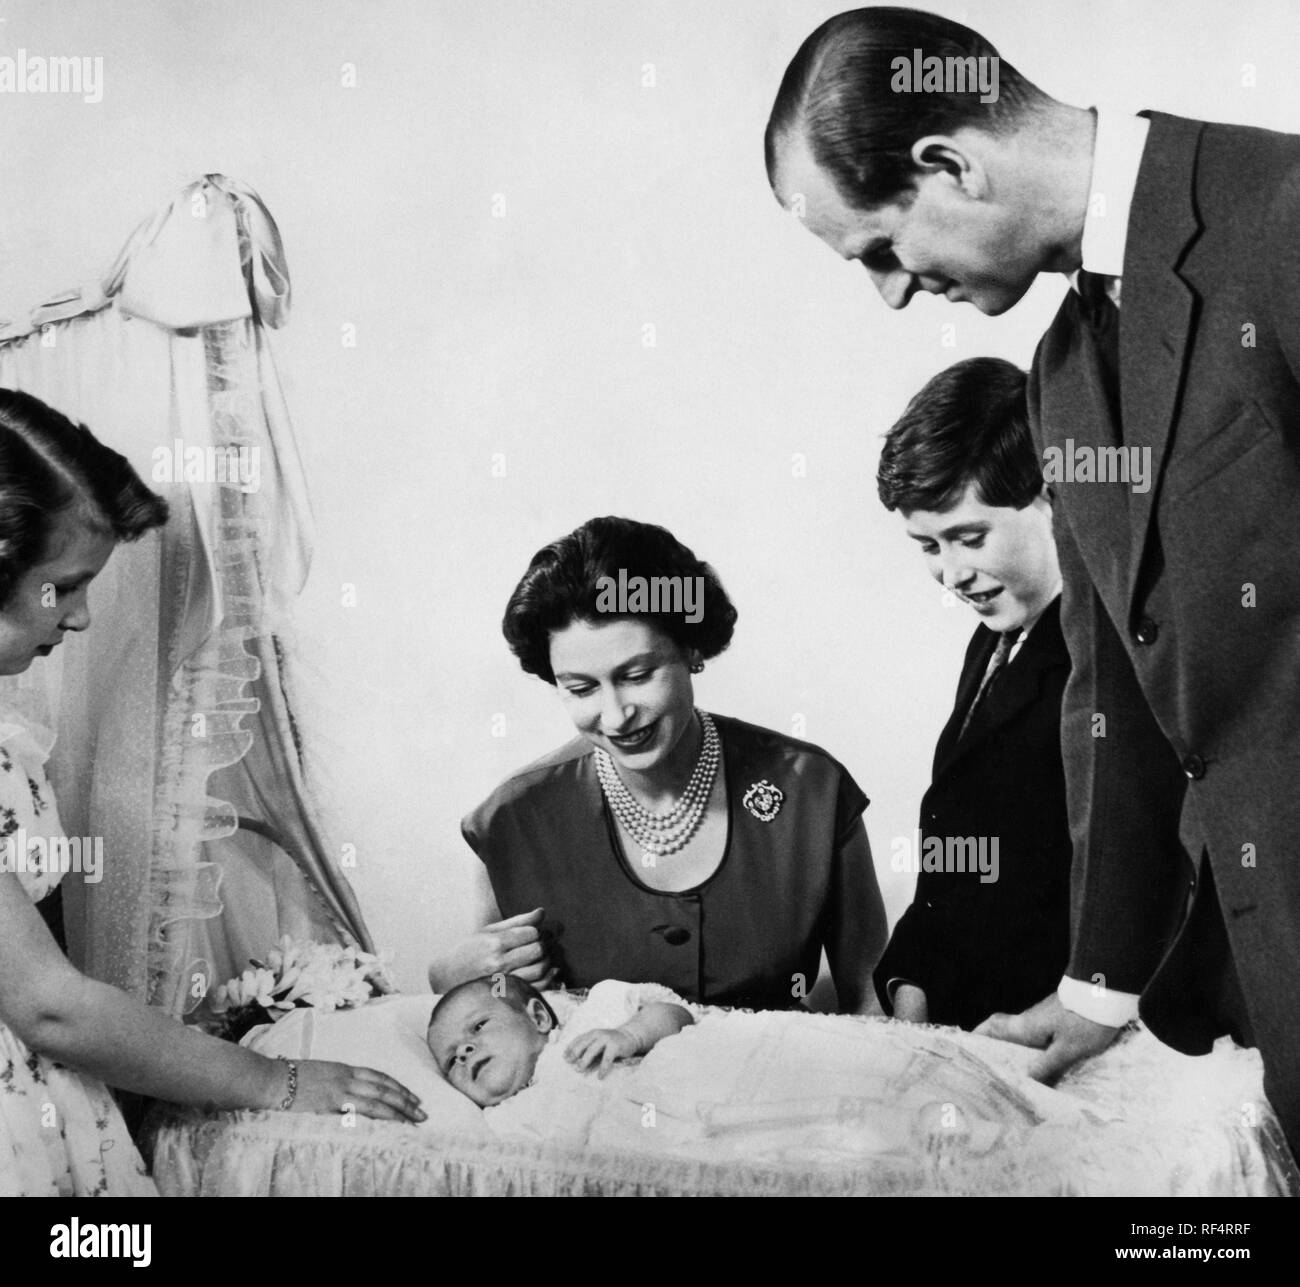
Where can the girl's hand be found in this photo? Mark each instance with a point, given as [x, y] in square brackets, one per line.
[602, 1048]
[339, 1088]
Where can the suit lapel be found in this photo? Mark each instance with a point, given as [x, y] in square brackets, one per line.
[1018, 686]
[977, 662]
[1075, 412]
[1156, 309]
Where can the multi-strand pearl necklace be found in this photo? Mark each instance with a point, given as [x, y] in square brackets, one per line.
[660, 834]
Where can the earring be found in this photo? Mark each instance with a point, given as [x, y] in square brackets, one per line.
[696, 667]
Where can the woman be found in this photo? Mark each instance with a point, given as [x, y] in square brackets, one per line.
[664, 844]
[65, 502]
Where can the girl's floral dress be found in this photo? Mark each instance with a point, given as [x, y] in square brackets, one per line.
[60, 1133]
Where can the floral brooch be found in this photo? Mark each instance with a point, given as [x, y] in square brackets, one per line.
[764, 800]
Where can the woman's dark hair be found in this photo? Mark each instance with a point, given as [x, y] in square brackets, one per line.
[968, 425]
[838, 93]
[47, 465]
[566, 581]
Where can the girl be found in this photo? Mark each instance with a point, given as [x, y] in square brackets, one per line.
[65, 502]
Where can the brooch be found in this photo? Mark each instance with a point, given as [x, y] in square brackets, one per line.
[764, 800]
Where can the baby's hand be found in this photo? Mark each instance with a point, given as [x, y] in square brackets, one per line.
[601, 1048]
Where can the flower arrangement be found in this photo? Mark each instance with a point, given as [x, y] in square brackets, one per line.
[327, 976]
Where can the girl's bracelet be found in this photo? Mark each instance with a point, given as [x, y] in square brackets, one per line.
[287, 1102]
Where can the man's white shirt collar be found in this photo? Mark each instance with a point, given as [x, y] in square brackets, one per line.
[1116, 160]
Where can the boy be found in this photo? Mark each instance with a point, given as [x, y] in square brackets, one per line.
[961, 468]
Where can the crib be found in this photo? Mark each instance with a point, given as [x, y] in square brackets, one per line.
[1139, 1120]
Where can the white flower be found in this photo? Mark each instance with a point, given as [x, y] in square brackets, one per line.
[328, 976]
[258, 987]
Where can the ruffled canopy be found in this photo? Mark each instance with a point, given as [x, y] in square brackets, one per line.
[180, 715]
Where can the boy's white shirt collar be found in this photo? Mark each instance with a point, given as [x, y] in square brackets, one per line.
[1031, 623]
[1116, 159]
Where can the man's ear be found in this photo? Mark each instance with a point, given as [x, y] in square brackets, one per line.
[941, 154]
[539, 1012]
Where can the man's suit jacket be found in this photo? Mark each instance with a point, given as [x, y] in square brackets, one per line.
[1181, 608]
[978, 947]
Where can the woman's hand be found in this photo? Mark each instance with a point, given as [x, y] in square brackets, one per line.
[603, 1048]
[511, 946]
[339, 1088]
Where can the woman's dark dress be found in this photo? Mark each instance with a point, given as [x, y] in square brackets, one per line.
[751, 935]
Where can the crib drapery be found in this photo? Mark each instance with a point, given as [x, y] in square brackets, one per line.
[177, 714]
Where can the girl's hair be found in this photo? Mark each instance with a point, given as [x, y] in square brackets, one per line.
[838, 93]
[49, 464]
[969, 424]
[563, 585]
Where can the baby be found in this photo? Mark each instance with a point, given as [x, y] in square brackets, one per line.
[487, 1035]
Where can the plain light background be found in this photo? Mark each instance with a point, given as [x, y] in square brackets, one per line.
[513, 200]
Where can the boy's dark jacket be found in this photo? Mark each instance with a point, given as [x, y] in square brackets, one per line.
[975, 946]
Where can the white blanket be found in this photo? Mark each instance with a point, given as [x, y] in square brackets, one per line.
[922, 1107]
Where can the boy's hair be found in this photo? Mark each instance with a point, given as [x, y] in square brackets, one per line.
[47, 465]
[563, 585]
[969, 424]
[505, 987]
[838, 93]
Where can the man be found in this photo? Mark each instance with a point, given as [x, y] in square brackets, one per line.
[989, 927]
[1176, 514]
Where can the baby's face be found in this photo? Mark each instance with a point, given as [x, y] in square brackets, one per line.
[485, 1047]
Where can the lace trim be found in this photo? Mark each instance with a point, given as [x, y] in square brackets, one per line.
[203, 730]
[286, 1154]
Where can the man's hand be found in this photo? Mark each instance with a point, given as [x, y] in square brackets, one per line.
[1064, 1037]
[512, 946]
[601, 1048]
[910, 1004]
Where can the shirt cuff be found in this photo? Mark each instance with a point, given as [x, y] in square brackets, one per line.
[1101, 1005]
[892, 986]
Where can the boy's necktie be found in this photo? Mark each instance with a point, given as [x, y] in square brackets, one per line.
[997, 663]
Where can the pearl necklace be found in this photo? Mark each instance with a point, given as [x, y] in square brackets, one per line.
[660, 834]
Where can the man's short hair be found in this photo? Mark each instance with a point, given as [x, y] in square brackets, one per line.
[838, 94]
[969, 424]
